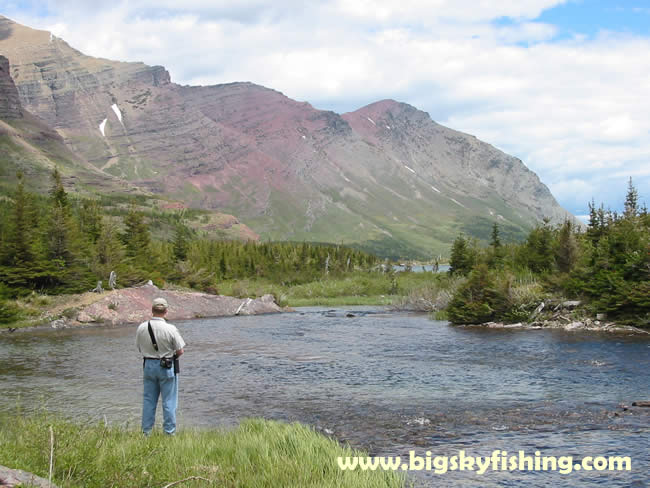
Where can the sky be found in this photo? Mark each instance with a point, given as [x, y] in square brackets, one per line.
[564, 85]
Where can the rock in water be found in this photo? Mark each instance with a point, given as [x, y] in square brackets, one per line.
[641, 404]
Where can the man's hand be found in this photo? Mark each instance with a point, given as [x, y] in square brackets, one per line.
[179, 353]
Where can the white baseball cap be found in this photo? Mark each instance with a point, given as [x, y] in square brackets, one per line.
[160, 304]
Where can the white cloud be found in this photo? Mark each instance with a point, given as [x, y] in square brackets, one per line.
[574, 110]
[424, 11]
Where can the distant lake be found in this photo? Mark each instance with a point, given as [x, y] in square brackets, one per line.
[386, 382]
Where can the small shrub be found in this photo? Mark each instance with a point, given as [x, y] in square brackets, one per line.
[239, 289]
[212, 290]
[280, 298]
[70, 313]
[478, 300]
[9, 313]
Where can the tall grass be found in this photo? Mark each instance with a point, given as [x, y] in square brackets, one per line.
[256, 454]
[361, 288]
[431, 295]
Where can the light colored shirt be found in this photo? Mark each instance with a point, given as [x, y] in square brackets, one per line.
[168, 338]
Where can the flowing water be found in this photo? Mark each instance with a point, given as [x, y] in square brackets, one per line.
[387, 382]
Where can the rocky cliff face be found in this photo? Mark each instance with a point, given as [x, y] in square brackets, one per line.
[10, 107]
[28, 145]
[449, 159]
[385, 176]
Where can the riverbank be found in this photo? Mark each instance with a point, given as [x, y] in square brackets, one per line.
[257, 453]
[133, 305]
[586, 325]
[414, 292]
[564, 315]
[255, 296]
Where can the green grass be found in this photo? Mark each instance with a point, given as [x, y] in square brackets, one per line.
[256, 454]
[359, 288]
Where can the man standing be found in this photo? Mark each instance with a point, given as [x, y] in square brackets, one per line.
[160, 344]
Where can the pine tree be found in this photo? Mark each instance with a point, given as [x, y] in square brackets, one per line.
[109, 253]
[58, 193]
[478, 300]
[58, 227]
[67, 251]
[566, 252]
[539, 248]
[462, 258]
[495, 242]
[23, 265]
[631, 201]
[90, 220]
[594, 230]
[136, 237]
[20, 238]
[181, 242]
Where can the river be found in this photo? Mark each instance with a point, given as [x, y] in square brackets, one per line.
[386, 382]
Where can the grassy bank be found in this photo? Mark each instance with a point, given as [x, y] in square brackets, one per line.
[359, 288]
[256, 454]
[37, 309]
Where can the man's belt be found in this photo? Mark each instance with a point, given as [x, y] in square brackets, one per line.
[177, 365]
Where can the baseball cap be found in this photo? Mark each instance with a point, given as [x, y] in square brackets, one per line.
[160, 304]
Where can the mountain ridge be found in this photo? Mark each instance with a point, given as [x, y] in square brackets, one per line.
[400, 185]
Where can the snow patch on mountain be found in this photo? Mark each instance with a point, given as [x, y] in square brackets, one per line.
[117, 111]
[457, 202]
[102, 126]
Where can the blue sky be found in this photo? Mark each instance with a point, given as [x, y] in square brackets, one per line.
[589, 17]
[563, 85]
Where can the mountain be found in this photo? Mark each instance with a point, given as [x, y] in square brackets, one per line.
[29, 146]
[385, 177]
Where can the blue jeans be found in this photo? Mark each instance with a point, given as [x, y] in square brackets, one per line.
[159, 381]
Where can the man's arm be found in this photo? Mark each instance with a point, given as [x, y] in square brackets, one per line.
[179, 343]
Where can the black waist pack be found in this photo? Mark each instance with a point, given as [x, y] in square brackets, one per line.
[166, 363]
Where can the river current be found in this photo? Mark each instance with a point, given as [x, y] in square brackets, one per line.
[386, 382]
